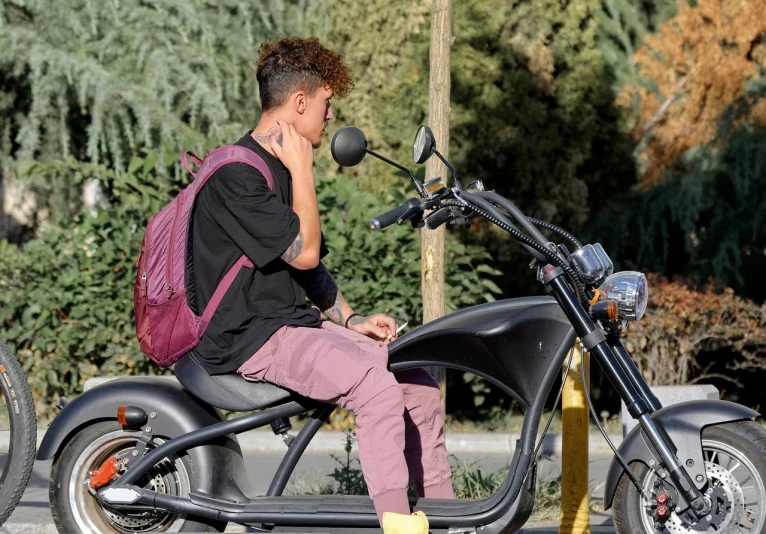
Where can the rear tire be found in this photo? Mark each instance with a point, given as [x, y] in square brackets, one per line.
[17, 412]
[74, 509]
[742, 446]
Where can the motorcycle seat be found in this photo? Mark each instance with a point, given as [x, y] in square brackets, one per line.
[228, 391]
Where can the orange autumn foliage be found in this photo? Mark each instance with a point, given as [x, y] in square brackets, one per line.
[681, 323]
[700, 61]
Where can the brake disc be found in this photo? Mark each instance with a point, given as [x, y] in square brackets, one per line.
[139, 519]
[727, 505]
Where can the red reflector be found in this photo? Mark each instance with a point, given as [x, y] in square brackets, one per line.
[121, 415]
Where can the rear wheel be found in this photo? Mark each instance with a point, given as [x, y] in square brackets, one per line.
[735, 462]
[75, 509]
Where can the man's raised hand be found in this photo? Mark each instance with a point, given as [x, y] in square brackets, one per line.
[294, 151]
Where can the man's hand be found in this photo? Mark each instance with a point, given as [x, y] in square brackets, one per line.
[294, 150]
[379, 327]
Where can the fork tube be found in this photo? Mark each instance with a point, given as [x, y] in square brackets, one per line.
[627, 363]
[637, 407]
[584, 325]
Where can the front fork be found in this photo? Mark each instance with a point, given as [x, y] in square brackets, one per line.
[633, 390]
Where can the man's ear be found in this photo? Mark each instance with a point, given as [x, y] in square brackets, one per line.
[300, 101]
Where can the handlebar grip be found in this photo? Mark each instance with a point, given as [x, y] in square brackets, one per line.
[390, 217]
[437, 219]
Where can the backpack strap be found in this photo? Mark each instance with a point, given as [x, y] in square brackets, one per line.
[219, 157]
[213, 161]
[195, 158]
[221, 290]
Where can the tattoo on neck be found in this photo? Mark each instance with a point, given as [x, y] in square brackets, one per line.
[265, 139]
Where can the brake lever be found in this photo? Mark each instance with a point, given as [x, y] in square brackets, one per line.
[410, 213]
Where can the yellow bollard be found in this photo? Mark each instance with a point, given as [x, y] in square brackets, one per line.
[575, 513]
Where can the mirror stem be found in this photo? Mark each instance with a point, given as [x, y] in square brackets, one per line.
[418, 186]
[455, 182]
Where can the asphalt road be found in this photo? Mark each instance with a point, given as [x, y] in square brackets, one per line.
[33, 515]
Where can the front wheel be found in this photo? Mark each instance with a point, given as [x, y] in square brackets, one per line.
[75, 509]
[735, 461]
[18, 432]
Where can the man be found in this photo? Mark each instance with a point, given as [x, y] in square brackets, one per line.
[265, 330]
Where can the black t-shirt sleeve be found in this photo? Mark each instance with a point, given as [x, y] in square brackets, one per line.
[256, 220]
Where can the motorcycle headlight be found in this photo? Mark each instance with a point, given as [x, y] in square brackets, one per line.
[631, 292]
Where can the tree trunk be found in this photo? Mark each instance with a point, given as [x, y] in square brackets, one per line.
[432, 247]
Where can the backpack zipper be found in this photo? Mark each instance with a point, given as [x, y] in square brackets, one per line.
[142, 258]
[169, 273]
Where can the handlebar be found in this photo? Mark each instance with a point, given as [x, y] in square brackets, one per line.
[391, 216]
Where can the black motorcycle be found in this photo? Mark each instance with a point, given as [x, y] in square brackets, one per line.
[148, 454]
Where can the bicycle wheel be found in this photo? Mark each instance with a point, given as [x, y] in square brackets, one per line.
[18, 432]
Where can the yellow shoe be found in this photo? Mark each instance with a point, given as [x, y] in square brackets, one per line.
[416, 523]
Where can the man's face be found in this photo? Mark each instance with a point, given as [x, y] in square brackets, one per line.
[312, 122]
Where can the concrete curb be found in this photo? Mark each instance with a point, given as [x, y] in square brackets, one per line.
[331, 441]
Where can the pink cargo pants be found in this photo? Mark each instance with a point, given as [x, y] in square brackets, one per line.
[399, 417]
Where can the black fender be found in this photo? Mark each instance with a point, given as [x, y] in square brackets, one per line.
[683, 424]
[217, 463]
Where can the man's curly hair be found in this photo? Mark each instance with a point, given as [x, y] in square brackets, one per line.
[289, 64]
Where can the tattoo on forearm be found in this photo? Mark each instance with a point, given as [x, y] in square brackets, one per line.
[357, 320]
[294, 250]
[265, 139]
[335, 314]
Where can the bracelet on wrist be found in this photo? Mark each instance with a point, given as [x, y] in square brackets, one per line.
[349, 318]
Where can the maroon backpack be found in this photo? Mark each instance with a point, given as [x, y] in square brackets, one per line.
[166, 326]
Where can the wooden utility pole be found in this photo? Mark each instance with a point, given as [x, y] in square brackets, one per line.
[432, 244]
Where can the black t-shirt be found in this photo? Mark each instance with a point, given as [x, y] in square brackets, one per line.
[236, 213]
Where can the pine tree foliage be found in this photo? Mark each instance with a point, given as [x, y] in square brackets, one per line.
[622, 26]
[100, 80]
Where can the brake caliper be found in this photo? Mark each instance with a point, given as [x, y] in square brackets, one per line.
[104, 474]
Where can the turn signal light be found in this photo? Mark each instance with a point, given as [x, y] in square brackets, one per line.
[605, 310]
[121, 415]
[131, 416]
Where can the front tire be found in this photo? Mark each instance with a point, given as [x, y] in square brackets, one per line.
[18, 432]
[735, 460]
[74, 509]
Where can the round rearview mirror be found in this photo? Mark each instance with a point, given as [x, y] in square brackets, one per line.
[424, 144]
[348, 146]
